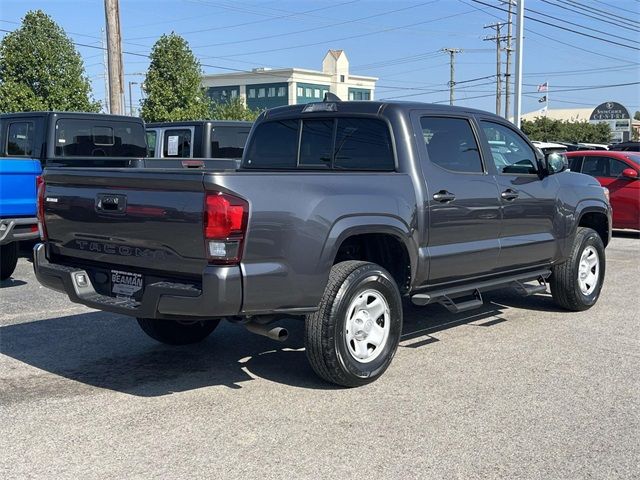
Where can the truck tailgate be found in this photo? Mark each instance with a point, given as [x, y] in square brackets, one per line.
[138, 219]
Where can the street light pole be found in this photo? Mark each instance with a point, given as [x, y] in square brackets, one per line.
[517, 104]
[131, 98]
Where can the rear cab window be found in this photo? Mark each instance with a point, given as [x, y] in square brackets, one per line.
[85, 138]
[228, 142]
[342, 143]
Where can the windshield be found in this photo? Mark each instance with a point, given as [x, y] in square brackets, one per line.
[635, 157]
[99, 138]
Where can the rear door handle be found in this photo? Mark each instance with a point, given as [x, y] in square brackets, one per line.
[443, 196]
[509, 194]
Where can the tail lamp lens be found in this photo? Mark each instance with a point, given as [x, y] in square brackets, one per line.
[225, 225]
[40, 187]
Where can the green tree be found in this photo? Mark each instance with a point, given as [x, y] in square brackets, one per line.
[40, 69]
[636, 116]
[549, 130]
[173, 83]
[233, 109]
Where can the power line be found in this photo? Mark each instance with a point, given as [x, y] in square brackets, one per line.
[549, 37]
[323, 42]
[345, 22]
[579, 25]
[599, 18]
[618, 7]
[566, 29]
[253, 22]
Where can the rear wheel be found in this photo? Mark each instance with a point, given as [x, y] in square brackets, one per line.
[177, 332]
[354, 335]
[8, 259]
[576, 283]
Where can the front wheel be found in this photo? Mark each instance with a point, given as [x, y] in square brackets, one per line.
[8, 259]
[352, 338]
[576, 283]
[177, 332]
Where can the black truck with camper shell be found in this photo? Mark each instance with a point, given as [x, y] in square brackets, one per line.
[338, 212]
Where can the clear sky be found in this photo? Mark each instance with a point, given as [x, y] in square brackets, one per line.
[397, 41]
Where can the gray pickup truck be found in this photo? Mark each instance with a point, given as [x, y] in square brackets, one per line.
[338, 212]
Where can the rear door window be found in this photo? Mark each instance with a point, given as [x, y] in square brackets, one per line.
[363, 144]
[177, 143]
[20, 139]
[228, 142]
[274, 145]
[451, 144]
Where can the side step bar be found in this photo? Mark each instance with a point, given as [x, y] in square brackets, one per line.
[446, 296]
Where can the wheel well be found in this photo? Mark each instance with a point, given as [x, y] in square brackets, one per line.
[598, 222]
[383, 249]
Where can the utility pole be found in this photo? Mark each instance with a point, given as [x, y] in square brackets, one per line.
[497, 26]
[105, 63]
[452, 64]
[517, 106]
[507, 74]
[114, 55]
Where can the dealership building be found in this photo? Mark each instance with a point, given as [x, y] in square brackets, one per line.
[267, 88]
[616, 115]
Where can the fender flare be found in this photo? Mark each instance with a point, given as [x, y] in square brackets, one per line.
[346, 227]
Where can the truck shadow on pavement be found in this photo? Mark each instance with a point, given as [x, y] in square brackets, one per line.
[109, 351]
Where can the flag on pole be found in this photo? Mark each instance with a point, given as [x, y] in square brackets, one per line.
[543, 87]
[542, 99]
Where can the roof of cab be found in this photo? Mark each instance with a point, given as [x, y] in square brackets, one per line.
[373, 107]
[77, 115]
[194, 123]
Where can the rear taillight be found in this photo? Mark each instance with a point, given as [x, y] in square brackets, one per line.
[225, 225]
[40, 186]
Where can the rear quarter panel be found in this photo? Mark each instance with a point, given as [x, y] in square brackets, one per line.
[297, 221]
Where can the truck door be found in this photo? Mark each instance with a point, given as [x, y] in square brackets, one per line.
[464, 206]
[530, 226]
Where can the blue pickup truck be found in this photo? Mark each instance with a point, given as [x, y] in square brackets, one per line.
[30, 141]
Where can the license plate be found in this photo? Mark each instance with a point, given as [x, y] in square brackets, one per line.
[125, 284]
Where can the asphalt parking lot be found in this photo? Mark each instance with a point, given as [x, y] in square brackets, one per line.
[517, 389]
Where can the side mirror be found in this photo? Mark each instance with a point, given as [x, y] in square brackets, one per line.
[630, 173]
[556, 163]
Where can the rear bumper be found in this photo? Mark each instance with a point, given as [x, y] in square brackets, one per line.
[17, 229]
[220, 295]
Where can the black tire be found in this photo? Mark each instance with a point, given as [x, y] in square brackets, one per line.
[8, 259]
[177, 332]
[564, 283]
[325, 330]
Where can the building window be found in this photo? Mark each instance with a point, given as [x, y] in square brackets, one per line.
[366, 96]
[308, 93]
[261, 93]
[316, 92]
[271, 92]
[351, 96]
[234, 93]
[252, 93]
[324, 92]
[282, 91]
[300, 92]
[342, 78]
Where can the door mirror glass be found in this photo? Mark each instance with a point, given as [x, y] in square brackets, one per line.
[630, 173]
[556, 162]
